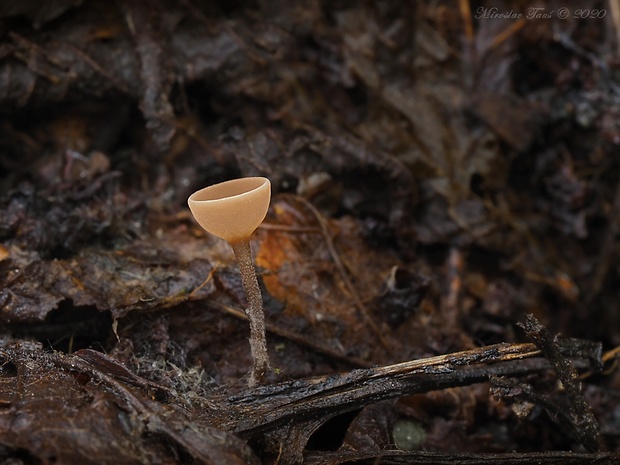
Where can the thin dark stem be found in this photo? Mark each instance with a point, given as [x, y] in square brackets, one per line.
[258, 342]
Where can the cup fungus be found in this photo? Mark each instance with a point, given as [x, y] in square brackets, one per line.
[232, 210]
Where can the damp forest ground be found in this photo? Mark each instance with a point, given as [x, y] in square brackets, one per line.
[438, 264]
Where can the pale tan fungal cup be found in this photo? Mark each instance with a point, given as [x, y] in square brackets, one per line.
[233, 210]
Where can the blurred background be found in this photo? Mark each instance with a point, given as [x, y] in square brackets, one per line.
[439, 170]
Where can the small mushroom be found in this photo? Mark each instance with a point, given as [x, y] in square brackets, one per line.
[233, 210]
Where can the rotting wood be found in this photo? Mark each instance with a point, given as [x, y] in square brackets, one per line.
[269, 407]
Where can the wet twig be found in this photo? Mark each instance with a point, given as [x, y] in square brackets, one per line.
[270, 407]
[582, 419]
[396, 457]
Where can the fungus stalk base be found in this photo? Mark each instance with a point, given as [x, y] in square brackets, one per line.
[258, 342]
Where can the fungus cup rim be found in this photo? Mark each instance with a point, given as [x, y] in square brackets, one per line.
[228, 184]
